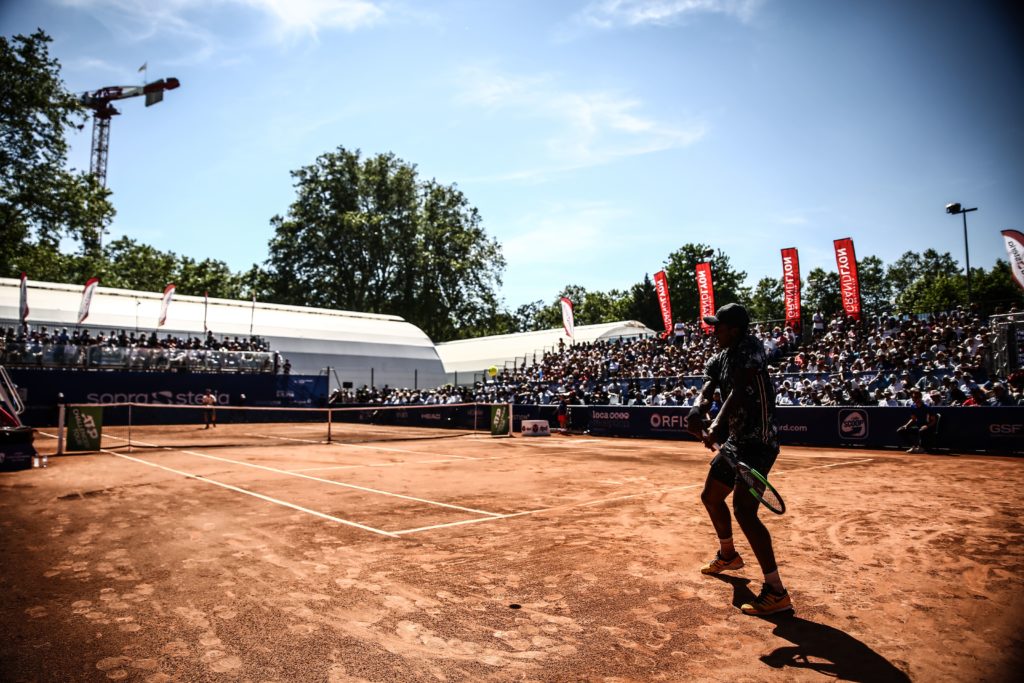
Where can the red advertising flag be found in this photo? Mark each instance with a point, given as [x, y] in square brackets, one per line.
[83, 308]
[1015, 250]
[791, 286]
[661, 285]
[706, 294]
[567, 319]
[165, 303]
[849, 285]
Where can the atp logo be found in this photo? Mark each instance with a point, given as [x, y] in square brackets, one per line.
[89, 425]
[853, 424]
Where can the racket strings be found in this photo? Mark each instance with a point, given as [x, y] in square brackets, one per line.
[766, 494]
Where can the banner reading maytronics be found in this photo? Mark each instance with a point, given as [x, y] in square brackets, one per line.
[85, 428]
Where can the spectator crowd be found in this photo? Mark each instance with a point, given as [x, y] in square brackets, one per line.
[135, 351]
[948, 357]
[126, 340]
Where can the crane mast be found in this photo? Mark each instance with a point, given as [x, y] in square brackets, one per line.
[103, 111]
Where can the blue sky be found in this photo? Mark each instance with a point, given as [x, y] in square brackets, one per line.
[595, 137]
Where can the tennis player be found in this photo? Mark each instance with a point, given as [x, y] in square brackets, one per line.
[210, 413]
[745, 429]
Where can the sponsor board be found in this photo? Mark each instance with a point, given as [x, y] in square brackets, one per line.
[1006, 429]
[536, 428]
[853, 424]
[609, 419]
[673, 422]
[85, 428]
[160, 397]
[499, 420]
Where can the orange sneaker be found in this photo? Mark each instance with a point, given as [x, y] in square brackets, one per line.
[768, 602]
[719, 565]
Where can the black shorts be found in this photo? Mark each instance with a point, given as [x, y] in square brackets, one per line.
[757, 456]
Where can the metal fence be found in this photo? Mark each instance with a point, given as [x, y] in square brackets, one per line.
[30, 354]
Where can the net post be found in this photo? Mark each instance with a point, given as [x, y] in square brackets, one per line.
[60, 429]
[511, 429]
[129, 427]
[329, 423]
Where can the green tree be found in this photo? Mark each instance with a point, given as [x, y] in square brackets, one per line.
[368, 235]
[642, 304]
[680, 268]
[912, 275]
[996, 289]
[822, 293]
[42, 202]
[939, 293]
[130, 265]
[875, 288]
[768, 300]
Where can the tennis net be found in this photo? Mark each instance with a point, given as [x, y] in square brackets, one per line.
[126, 426]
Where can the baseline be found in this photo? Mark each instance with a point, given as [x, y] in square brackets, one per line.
[599, 501]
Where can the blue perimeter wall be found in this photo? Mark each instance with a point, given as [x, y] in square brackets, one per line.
[961, 430]
[42, 386]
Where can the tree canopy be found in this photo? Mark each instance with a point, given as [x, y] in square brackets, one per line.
[41, 201]
[369, 235]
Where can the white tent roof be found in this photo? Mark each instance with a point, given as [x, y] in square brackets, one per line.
[362, 347]
[122, 309]
[476, 355]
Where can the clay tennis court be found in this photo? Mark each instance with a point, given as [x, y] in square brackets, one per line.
[473, 558]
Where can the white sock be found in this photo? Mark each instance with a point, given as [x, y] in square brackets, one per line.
[728, 549]
[773, 580]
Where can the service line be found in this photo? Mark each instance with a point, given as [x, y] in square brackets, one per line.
[319, 479]
[254, 494]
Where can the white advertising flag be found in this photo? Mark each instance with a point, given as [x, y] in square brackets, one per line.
[165, 304]
[567, 321]
[1015, 250]
[90, 287]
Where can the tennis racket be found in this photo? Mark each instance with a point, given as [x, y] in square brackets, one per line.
[754, 481]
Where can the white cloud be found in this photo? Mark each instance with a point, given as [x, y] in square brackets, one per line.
[607, 14]
[797, 219]
[138, 20]
[587, 128]
[308, 16]
[583, 229]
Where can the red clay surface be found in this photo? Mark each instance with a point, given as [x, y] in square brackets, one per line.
[401, 563]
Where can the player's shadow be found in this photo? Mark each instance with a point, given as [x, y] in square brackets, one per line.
[818, 647]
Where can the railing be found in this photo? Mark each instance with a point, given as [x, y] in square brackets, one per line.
[134, 358]
[870, 378]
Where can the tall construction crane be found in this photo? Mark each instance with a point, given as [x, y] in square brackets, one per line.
[102, 111]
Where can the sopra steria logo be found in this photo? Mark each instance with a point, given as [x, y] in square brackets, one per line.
[853, 424]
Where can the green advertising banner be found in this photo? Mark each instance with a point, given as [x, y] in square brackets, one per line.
[85, 427]
[499, 420]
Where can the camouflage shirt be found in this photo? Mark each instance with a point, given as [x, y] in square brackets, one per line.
[753, 420]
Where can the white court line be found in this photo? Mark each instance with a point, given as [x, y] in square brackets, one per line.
[276, 501]
[599, 501]
[354, 445]
[311, 478]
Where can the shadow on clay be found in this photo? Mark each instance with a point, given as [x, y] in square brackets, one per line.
[818, 647]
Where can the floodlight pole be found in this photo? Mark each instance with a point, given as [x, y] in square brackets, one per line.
[954, 209]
